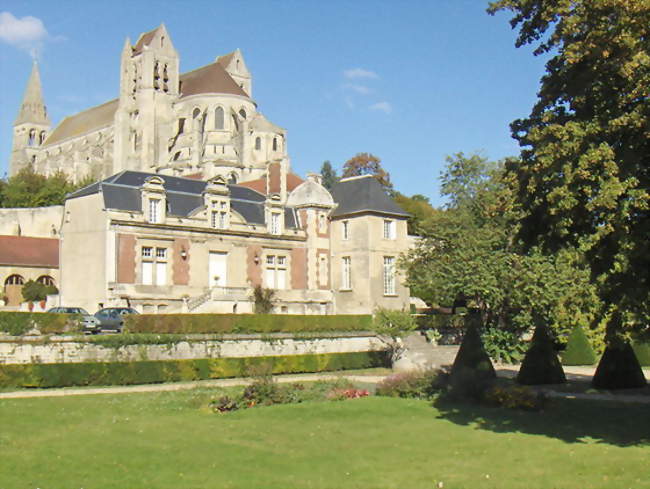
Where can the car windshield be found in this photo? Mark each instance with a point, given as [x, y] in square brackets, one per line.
[68, 310]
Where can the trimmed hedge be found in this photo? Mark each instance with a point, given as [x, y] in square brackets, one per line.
[243, 323]
[147, 372]
[18, 323]
[618, 369]
[578, 349]
[541, 364]
[642, 352]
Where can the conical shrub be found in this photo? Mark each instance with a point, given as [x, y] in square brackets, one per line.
[578, 349]
[642, 352]
[618, 369]
[541, 364]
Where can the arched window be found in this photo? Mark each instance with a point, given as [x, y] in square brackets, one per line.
[258, 143]
[41, 138]
[32, 137]
[14, 280]
[275, 144]
[196, 113]
[242, 113]
[218, 118]
[45, 280]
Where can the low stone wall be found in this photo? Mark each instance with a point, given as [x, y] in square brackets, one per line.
[61, 349]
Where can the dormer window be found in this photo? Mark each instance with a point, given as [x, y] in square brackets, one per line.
[154, 210]
[153, 200]
[275, 223]
[219, 214]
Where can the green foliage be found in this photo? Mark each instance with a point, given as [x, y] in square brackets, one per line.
[19, 323]
[503, 346]
[143, 372]
[30, 189]
[393, 322]
[34, 291]
[515, 397]
[541, 364]
[413, 385]
[328, 174]
[582, 181]
[642, 352]
[618, 369]
[419, 209]
[263, 299]
[578, 349]
[244, 323]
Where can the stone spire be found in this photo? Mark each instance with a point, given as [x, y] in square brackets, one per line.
[33, 109]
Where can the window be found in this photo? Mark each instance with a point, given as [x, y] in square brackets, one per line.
[389, 275]
[322, 223]
[275, 144]
[345, 229]
[14, 280]
[154, 265]
[219, 215]
[242, 113]
[346, 273]
[218, 118]
[154, 210]
[45, 280]
[276, 271]
[258, 143]
[275, 223]
[389, 229]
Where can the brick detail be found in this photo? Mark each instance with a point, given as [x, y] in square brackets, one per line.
[254, 270]
[299, 268]
[180, 266]
[125, 258]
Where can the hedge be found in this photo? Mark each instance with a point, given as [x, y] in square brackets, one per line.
[146, 372]
[243, 323]
[642, 351]
[578, 350]
[18, 323]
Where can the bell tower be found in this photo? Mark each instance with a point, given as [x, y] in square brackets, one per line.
[31, 127]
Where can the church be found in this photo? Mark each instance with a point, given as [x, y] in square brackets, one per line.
[194, 202]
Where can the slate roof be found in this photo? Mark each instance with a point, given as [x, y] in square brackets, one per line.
[363, 194]
[184, 195]
[28, 251]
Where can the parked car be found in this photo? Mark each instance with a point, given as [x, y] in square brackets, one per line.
[112, 318]
[89, 323]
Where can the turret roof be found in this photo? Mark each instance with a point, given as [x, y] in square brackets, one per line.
[361, 195]
[33, 109]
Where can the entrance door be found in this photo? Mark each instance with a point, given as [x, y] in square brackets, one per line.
[217, 269]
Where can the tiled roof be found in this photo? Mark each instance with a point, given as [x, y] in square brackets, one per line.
[363, 194]
[83, 122]
[259, 185]
[211, 78]
[27, 251]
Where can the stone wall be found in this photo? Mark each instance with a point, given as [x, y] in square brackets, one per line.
[62, 349]
[37, 222]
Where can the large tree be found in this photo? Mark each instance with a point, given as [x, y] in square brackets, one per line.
[30, 189]
[584, 175]
[328, 175]
[368, 164]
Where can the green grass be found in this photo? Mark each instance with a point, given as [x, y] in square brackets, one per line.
[171, 440]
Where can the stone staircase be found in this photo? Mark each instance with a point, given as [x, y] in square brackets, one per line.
[419, 354]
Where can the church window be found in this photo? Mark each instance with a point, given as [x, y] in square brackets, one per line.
[162, 41]
[218, 118]
[32, 138]
[242, 113]
[275, 144]
[258, 143]
[41, 138]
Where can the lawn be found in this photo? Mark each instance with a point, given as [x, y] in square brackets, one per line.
[171, 440]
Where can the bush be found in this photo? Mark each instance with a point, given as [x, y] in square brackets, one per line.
[503, 346]
[263, 299]
[244, 323]
[415, 385]
[578, 349]
[541, 364]
[642, 352]
[19, 323]
[125, 373]
[515, 397]
[36, 291]
[618, 369]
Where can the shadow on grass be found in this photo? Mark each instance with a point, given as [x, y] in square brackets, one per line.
[573, 421]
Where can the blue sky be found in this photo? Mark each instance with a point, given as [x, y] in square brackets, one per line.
[409, 81]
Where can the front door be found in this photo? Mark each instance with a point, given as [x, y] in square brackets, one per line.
[217, 269]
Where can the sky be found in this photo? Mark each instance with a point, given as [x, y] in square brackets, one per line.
[410, 81]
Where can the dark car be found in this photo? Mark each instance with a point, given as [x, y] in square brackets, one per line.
[89, 323]
[112, 318]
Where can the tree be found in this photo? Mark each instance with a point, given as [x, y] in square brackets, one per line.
[30, 189]
[368, 164]
[419, 209]
[328, 175]
[584, 176]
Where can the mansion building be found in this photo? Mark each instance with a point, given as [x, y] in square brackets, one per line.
[195, 202]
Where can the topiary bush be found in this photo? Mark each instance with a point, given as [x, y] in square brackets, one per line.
[541, 364]
[578, 349]
[472, 372]
[618, 369]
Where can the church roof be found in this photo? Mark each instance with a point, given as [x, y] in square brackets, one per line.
[184, 196]
[212, 78]
[363, 194]
[28, 251]
[259, 185]
[226, 59]
[33, 108]
[261, 123]
[87, 121]
[144, 40]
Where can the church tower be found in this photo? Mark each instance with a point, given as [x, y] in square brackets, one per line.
[31, 126]
[149, 85]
